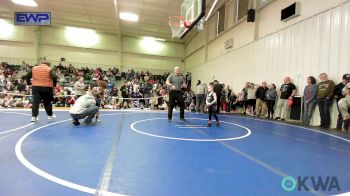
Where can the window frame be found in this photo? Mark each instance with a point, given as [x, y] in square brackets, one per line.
[236, 16]
[222, 7]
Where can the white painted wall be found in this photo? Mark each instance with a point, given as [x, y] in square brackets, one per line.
[56, 36]
[80, 56]
[242, 34]
[54, 44]
[196, 58]
[159, 48]
[196, 43]
[158, 56]
[29, 44]
[18, 45]
[311, 46]
[16, 52]
[19, 34]
[151, 63]
[270, 15]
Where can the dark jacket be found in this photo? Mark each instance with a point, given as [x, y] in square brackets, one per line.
[260, 93]
[338, 91]
[218, 89]
[271, 95]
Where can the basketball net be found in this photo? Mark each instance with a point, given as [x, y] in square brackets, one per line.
[177, 25]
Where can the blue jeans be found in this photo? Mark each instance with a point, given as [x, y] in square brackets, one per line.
[308, 108]
[88, 113]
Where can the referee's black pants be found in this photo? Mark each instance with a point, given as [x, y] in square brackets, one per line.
[218, 103]
[46, 95]
[176, 96]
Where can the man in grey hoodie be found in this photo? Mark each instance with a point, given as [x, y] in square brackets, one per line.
[84, 107]
[201, 93]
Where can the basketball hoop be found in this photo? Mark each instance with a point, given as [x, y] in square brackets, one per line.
[178, 25]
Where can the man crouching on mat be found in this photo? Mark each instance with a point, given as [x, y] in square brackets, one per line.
[84, 107]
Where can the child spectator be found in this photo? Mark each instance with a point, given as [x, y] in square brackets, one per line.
[154, 100]
[192, 106]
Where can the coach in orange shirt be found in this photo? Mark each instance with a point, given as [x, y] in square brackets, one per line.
[43, 81]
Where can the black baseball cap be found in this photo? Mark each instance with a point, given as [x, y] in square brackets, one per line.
[346, 77]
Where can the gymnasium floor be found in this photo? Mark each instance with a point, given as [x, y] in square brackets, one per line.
[141, 153]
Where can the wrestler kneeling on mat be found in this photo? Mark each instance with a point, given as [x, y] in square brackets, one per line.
[84, 107]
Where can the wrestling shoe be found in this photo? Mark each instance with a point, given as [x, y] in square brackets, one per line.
[51, 117]
[34, 119]
[76, 123]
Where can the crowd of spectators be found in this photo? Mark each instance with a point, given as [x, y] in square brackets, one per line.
[265, 101]
[142, 89]
[73, 82]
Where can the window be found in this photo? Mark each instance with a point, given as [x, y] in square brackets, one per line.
[241, 9]
[221, 20]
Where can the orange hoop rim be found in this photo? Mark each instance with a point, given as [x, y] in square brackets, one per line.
[176, 23]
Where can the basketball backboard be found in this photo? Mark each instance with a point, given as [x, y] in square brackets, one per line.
[192, 11]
